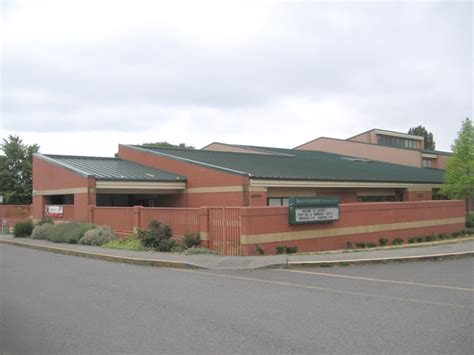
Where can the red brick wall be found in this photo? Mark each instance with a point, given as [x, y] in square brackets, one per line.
[48, 176]
[197, 177]
[274, 220]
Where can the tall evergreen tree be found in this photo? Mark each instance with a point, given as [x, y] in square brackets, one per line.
[428, 136]
[459, 176]
[16, 170]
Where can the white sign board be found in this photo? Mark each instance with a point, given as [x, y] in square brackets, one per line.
[316, 214]
[54, 211]
[1, 199]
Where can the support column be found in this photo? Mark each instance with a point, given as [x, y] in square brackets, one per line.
[136, 218]
[204, 226]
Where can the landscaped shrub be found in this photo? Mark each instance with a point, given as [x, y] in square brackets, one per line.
[349, 245]
[130, 243]
[259, 250]
[360, 245]
[469, 221]
[383, 242]
[291, 250]
[430, 238]
[45, 220]
[97, 236]
[23, 229]
[69, 232]
[371, 245]
[286, 250]
[199, 250]
[412, 240]
[42, 231]
[419, 239]
[442, 236]
[157, 236]
[191, 240]
[280, 249]
[397, 241]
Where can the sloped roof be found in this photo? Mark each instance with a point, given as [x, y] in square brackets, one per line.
[289, 164]
[113, 169]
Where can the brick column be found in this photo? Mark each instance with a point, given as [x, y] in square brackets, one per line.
[136, 217]
[204, 226]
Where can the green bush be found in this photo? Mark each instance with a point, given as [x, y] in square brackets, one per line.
[383, 242]
[70, 232]
[412, 240]
[191, 240]
[199, 250]
[360, 245]
[42, 231]
[469, 221]
[442, 236]
[97, 236]
[291, 250]
[23, 229]
[430, 238]
[349, 245]
[283, 249]
[178, 248]
[419, 239]
[280, 249]
[259, 250]
[45, 220]
[157, 236]
[397, 241]
[130, 243]
[371, 245]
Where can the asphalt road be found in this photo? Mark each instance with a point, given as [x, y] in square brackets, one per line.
[58, 304]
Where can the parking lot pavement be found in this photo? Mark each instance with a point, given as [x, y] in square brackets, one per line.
[58, 304]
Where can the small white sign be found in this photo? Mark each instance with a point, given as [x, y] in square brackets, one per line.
[1, 199]
[54, 211]
[314, 214]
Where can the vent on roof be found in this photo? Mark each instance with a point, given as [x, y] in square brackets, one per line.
[150, 175]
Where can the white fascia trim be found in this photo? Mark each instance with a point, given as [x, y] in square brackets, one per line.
[396, 134]
[338, 184]
[142, 185]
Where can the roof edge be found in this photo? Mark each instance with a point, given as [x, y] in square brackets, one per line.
[217, 167]
[63, 165]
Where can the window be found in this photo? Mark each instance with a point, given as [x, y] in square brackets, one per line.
[376, 198]
[428, 163]
[396, 142]
[277, 201]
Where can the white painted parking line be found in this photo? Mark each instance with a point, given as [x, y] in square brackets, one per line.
[408, 283]
[326, 289]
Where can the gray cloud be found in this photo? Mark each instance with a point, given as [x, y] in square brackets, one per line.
[398, 65]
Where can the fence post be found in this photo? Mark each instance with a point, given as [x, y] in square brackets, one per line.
[204, 226]
[136, 217]
[90, 214]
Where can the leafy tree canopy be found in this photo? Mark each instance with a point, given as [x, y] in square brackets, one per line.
[428, 136]
[16, 170]
[168, 145]
[459, 176]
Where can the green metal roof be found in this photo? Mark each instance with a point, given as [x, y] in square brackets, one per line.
[289, 164]
[111, 168]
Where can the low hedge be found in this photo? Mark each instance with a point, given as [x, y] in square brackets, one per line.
[70, 232]
[23, 229]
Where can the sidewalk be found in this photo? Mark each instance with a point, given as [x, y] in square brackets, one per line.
[422, 251]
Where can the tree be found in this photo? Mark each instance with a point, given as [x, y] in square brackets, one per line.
[428, 136]
[168, 145]
[15, 170]
[459, 176]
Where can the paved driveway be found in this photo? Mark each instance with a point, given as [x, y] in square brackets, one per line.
[58, 304]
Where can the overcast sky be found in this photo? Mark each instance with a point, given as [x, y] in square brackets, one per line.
[79, 77]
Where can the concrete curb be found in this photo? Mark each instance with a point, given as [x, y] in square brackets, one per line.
[289, 264]
[106, 257]
[394, 259]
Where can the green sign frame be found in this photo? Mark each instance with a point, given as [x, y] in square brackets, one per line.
[310, 210]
